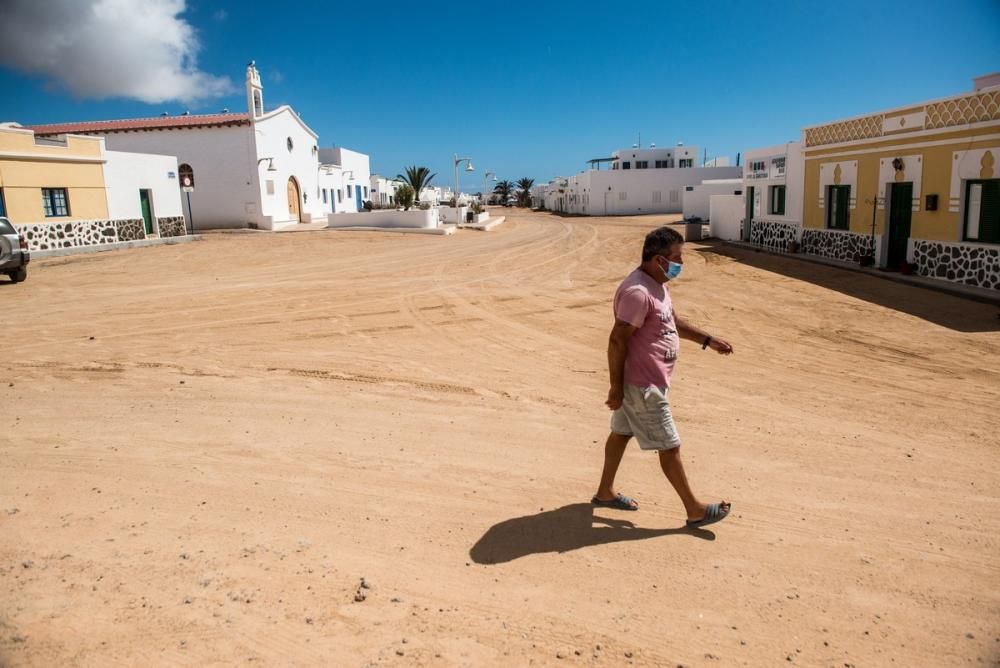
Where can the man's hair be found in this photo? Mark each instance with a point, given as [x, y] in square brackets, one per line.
[658, 241]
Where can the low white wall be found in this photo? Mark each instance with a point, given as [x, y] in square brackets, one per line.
[725, 214]
[452, 216]
[417, 218]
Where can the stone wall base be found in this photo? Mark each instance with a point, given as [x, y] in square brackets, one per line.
[837, 244]
[72, 234]
[970, 264]
[772, 235]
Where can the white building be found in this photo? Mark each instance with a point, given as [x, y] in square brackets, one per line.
[638, 181]
[696, 199]
[250, 169]
[772, 186]
[345, 178]
[383, 190]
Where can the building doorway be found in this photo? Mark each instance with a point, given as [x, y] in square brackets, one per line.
[357, 198]
[900, 214]
[294, 210]
[748, 215]
[146, 202]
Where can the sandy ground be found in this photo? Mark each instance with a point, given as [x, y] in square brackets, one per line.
[206, 447]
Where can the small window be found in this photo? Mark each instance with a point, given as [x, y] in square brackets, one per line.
[349, 191]
[55, 202]
[686, 162]
[365, 188]
[674, 196]
[657, 196]
[689, 188]
[982, 211]
[290, 144]
[837, 200]
[340, 195]
[626, 165]
[324, 196]
[642, 164]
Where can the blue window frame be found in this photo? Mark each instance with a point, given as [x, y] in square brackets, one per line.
[324, 195]
[55, 202]
[3, 207]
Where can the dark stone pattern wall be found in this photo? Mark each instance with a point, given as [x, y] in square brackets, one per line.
[837, 245]
[172, 227]
[130, 230]
[48, 236]
[971, 265]
[772, 235]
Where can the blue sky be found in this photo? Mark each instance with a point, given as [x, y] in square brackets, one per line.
[531, 90]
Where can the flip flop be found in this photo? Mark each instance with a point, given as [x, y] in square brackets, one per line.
[620, 502]
[713, 513]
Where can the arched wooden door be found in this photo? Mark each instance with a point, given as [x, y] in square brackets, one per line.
[294, 210]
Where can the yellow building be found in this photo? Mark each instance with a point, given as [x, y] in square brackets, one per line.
[51, 180]
[918, 185]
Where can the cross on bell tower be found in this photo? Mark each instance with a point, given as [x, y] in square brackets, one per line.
[255, 91]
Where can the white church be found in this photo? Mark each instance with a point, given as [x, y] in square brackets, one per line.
[257, 169]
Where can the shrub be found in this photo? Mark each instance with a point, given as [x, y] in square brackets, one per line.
[405, 196]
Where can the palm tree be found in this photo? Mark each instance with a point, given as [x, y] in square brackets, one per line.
[504, 190]
[418, 178]
[524, 195]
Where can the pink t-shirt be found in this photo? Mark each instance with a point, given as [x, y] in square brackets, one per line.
[652, 351]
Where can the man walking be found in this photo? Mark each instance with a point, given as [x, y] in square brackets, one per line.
[642, 352]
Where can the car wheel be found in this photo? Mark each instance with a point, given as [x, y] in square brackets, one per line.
[18, 274]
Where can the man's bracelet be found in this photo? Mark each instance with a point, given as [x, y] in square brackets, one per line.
[708, 340]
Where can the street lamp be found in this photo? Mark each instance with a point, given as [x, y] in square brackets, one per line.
[486, 177]
[468, 168]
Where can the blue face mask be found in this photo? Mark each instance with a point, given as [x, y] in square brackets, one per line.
[673, 270]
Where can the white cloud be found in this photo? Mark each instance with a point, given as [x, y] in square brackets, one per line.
[276, 76]
[138, 49]
[220, 15]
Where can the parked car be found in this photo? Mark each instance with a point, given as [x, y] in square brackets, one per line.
[14, 256]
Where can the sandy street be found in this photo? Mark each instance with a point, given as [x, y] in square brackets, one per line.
[206, 447]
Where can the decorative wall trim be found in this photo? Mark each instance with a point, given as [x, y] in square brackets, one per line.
[971, 264]
[773, 235]
[71, 234]
[837, 244]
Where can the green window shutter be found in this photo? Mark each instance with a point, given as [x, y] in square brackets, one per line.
[989, 213]
[781, 200]
[843, 197]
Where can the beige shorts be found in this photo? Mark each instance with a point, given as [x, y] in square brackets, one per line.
[645, 414]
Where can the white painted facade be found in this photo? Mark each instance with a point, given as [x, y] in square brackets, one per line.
[766, 170]
[725, 217]
[351, 175]
[125, 174]
[259, 169]
[696, 198]
[383, 190]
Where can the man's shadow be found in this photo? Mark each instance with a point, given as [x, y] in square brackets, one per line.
[561, 530]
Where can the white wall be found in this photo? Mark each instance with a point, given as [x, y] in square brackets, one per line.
[414, 218]
[725, 213]
[452, 215]
[632, 192]
[125, 174]
[224, 177]
[696, 200]
[761, 181]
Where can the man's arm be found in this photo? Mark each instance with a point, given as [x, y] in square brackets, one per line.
[692, 333]
[617, 349]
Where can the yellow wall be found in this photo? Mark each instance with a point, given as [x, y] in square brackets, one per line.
[940, 225]
[22, 177]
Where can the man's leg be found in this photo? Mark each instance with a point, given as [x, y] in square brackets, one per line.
[614, 449]
[673, 468]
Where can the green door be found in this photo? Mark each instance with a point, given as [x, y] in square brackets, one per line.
[900, 213]
[749, 214]
[147, 211]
